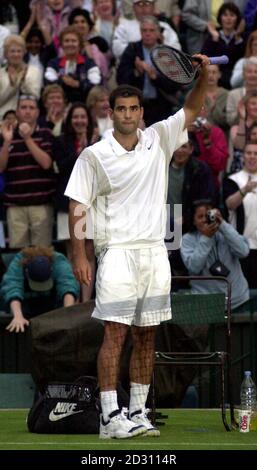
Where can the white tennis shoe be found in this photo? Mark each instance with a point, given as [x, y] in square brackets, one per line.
[119, 426]
[139, 417]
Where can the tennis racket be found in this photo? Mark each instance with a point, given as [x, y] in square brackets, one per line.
[177, 66]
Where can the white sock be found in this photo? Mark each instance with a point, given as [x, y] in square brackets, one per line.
[109, 403]
[138, 396]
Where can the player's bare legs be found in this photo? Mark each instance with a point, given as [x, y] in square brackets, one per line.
[142, 357]
[113, 423]
[108, 362]
[141, 370]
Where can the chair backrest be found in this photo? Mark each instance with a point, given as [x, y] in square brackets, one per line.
[196, 309]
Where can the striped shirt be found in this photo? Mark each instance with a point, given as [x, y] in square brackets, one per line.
[27, 183]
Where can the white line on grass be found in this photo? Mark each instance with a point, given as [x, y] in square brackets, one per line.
[116, 441]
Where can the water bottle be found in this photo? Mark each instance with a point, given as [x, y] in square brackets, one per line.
[248, 396]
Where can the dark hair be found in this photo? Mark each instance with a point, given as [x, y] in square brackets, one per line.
[35, 32]
[9, 111]
[28, 97]
[194, 206]
[81, 12]
[125, 91]
[194, 142]
[68, 129]
[229, 6]
[250, 141]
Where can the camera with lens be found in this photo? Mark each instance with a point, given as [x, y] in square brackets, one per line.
[199, 122]
[211, 216]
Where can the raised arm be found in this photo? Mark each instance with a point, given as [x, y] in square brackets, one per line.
[195, 252]
[7, 135]
[196, 97]
[43, 158]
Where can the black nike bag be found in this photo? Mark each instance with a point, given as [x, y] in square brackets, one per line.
[66, 408]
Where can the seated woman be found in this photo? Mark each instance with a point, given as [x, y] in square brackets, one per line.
[16, 77]
[75, 71]
[242, 132]
[229, 41]
[39, 39]
[98, 106]
[94, 46]
[55, 108]
[106, 16]
[237, 77]
[53, 17]
[216, 99]
[208, 242]
[38, 51]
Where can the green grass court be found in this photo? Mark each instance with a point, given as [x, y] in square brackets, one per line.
[183, 430]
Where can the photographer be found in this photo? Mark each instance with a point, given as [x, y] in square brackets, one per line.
[213, 247]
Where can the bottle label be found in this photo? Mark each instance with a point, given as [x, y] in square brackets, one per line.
[244, 420]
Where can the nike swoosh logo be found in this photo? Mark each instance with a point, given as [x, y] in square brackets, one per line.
[148, 148]
[56, 417]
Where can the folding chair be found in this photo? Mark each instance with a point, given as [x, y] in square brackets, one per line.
[199, 309]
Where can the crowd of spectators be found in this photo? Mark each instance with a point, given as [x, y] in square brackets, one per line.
[59, 61]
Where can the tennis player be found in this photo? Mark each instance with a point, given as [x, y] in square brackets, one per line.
[123, 180]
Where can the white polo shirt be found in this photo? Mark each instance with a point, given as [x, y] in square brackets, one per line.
[126, 191]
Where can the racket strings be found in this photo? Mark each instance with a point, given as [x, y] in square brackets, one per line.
[173, 65]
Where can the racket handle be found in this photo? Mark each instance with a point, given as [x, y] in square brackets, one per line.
[220, 60]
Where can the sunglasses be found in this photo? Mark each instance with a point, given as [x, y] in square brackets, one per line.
[143, 3]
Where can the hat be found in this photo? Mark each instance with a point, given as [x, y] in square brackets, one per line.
[39, 274]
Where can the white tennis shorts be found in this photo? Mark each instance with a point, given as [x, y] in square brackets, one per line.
[133, 286]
